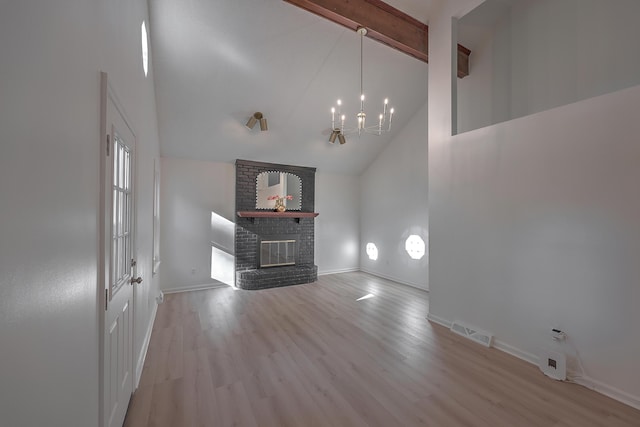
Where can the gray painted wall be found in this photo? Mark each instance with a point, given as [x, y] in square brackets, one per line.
[192, 189]
[393, 205]
[588, 48]
[534, 225]
[52, 54]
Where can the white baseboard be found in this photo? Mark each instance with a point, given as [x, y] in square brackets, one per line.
[585, 381]
[439, 320]
[341, 270]
[194, 287]
[395, 279]
[145, 347]
[607, 390]
[514, 351]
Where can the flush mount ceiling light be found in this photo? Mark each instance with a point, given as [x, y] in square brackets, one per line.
[257, 117]
[338, 119]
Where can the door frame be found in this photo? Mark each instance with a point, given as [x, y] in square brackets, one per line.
[107, 93]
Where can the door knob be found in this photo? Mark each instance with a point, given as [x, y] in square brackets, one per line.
[136, 280]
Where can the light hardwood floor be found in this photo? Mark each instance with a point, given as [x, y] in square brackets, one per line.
[312, 355]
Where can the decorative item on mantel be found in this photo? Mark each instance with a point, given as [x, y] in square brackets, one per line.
[280, 206]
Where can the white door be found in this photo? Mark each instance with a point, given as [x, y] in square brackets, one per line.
[119, 264]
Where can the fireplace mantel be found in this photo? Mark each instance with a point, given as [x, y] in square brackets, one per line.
[274, 214]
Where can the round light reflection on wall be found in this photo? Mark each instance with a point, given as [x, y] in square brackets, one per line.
[372, 251]
[415, 246]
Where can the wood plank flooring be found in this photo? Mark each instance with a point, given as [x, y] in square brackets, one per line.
[313, 355]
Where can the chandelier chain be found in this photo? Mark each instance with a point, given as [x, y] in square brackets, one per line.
[361, 62]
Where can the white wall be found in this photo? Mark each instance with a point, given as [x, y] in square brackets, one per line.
[534, 225]
[585, 50]
[190, 191]
[337, 227]
[393, 205]
[52, 54]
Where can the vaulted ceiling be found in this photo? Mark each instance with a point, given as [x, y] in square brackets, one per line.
[218, 62]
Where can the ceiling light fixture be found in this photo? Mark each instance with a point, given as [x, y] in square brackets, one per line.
[337, 133]
[334, 135]
[384, 119]
[257, 117]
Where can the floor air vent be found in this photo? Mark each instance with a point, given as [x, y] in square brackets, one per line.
[474, 334]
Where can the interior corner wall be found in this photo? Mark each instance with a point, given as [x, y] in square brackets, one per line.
[337, 226]
[190, 190]
[534, 225]
[393, 205]
[52, 54]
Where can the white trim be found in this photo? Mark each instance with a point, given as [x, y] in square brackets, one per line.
[145, 347]
[338, 271]
[514, 351]
[607, 390]
[439, 320]
[195, 288]
[585, 381]
[107, 95]
[394, 279]
[155, 217]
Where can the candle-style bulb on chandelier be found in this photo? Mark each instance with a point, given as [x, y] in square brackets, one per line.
[339, 120]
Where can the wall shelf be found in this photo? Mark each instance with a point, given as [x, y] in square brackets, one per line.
[273, 214]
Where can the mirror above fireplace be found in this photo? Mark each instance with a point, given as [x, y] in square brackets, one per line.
[273, 184]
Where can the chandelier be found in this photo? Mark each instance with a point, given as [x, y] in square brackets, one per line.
[338, 119]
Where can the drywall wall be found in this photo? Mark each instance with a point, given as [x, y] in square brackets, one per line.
[534, 225]
[393, 205]
[191, 190]
[52, 54]
[337, 226]
[586, 49]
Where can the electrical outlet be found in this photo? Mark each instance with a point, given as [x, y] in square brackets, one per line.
[193, 271]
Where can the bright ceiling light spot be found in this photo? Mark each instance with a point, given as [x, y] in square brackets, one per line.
[145, 48]
[372, 251]
[367, 296]
[415, 246]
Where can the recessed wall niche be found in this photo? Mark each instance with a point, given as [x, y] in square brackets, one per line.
[530, 56]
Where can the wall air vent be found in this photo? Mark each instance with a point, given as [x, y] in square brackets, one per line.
[473, 334]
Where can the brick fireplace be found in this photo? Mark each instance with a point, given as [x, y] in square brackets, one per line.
[291, 232]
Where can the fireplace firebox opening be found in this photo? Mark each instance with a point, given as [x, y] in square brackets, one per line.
[278, 251]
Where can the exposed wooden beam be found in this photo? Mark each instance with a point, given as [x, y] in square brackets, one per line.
[384, 23]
